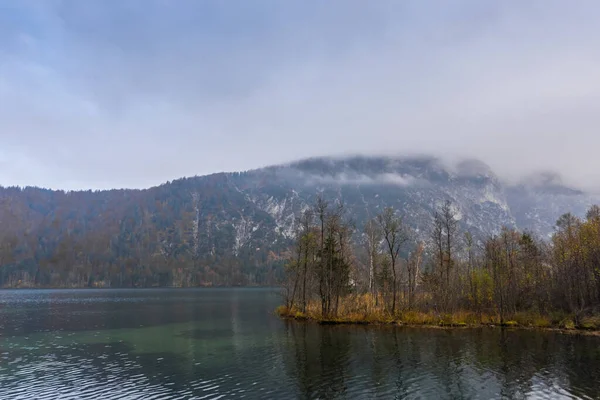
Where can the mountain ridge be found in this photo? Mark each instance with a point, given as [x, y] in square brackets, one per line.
[236, 227]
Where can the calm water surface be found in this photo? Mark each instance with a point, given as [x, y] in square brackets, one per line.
[226, 343]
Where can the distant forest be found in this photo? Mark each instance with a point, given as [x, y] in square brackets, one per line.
[129, 238]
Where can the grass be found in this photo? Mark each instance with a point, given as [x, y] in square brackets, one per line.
[591, 323]
[362, 309]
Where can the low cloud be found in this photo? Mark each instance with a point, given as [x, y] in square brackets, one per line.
[102, 94]
[361, 179]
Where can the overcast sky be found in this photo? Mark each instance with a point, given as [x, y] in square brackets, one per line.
[101, 94]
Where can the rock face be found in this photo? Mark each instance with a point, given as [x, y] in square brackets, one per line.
[538, 201]
[250, 217]
[415, 186]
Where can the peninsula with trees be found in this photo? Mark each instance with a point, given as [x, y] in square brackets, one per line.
[512, 278]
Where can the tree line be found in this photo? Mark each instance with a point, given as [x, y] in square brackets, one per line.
[504, 274]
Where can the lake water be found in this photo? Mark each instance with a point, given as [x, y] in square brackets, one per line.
[226, 343]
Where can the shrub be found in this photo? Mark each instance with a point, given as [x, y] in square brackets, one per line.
[567, 324]
[541, 322]
[590, 322]
[524, 318]
[282, 311]
[558, 317]
[300, 315]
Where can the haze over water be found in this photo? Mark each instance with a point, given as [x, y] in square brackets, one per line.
[226, 343]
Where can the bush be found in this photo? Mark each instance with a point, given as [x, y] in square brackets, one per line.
[590, 322]
[558, 317]
[567, 324]
[300, 315]
[532, 319]
[542, 322]
[524, 318]
[418, 318]
[282, 311]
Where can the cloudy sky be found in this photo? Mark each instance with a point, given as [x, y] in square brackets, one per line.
[117, 93]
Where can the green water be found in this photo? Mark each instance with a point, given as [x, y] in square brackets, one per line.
[226, 343]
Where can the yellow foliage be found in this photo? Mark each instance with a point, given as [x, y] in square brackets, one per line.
[542, 322]
[591, 322]
[282, 311]
[363, 309]
[567, 324]
[300, 315]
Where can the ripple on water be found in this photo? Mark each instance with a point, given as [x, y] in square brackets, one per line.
[80, 379]
[103, 377]
[225, 349]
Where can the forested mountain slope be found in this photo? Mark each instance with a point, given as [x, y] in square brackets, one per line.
[236, 228]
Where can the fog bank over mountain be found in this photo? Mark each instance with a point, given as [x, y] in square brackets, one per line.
[464, 166]
[235, 228]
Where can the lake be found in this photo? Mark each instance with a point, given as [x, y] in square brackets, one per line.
[226, 343]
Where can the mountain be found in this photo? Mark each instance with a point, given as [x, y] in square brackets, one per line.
[235, 228]
[536, 202]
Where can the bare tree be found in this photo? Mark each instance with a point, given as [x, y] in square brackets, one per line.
[321, 206]
[413, 267]
[495, 263]
[308, 245]
[372, 241]
[443, 234]
[395, 236]
[470, 261]
[450, 225]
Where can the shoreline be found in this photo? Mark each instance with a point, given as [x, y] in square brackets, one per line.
[394, 322]
[139, 287]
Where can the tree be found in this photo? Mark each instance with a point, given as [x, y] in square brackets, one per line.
[470, 260]
[293, 272]
[308, 246]
[394, 235]
[413, 267]
[593, 214]
[568, 257]
[372, 241]
[495, 263]
[445, 226]
[321, 211]
[449, 226]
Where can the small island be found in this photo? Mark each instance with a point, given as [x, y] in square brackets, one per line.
[381, 275]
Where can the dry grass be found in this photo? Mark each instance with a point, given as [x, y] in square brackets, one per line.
[567, 324]
[590, 322]
[363, 309]
[542, 322]
[419, 318]
[282, 311]
[532, 319]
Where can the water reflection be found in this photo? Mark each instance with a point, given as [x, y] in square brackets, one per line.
[320, 361]
[189, 344]
[382, 362]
